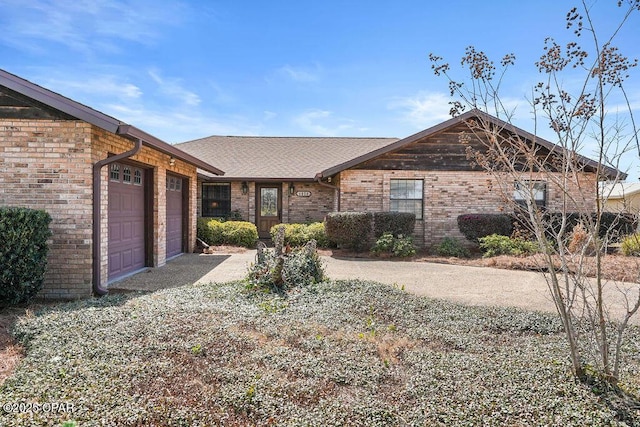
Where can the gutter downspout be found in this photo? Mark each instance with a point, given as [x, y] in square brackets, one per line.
[97, 288]
[334, 187]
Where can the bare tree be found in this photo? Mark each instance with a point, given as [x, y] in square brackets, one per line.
[528, 166]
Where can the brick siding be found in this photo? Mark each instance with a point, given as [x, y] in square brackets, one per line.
[295, 208]
[446, 195]
[47, 164]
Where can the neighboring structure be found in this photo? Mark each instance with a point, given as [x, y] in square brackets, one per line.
[621, 197]
[120, 199]
[272, 180]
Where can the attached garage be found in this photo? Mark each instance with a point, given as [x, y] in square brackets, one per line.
[127, 249]
[102, 181]
[175, 215]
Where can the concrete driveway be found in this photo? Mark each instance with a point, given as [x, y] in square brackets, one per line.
[464, 284]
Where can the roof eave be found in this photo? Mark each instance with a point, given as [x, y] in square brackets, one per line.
[59, 102]
[255, 179]
[166, 148]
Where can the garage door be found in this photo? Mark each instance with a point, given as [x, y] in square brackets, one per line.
[174, 215]
[126, 220]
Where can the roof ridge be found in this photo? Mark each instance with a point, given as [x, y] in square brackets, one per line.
[291, 137]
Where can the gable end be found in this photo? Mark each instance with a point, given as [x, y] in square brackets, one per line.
[441, 151]
[16, 106]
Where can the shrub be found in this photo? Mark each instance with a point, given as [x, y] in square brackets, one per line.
[451, 247]
[351, 230]
[23, 253]
[496, 244]
[237, 233]
[476, 226]
[384, 244]
[300, 234]
[631, 245]
[210, 231]
[399, 246]
[240, 233]
[619, 224]
[396, 223]
[613, 224]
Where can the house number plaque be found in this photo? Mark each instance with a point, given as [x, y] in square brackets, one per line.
[303, 194]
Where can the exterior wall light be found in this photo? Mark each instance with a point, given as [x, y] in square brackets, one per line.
[172, 161]
[245, 187]
[292, 189]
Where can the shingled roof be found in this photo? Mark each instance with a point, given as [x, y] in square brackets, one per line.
[281, 158]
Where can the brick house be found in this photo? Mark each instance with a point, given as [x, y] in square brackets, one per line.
[120, 199]
[270, 179]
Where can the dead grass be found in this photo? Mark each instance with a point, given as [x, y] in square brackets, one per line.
[10, 352]
[615, 267]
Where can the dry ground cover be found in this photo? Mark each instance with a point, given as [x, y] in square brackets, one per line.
[337, 353]
[615, 267]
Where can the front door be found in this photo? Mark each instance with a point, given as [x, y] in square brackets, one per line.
[268, 208]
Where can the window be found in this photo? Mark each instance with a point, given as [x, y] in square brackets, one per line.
[115, 172]
[137, 177]
[216, 199]
[406, 196]
[126, 175]
[524, 190]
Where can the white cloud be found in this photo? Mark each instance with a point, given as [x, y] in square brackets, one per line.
[324, 123]
[423, 109]
[174, 88]
[86, 25]
[301, 74]
[99, 85]
[175, 126]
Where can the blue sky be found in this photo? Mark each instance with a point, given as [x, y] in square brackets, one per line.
[182, 70]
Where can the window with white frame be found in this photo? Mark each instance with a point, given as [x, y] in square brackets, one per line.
[406, 195]
[536, 191]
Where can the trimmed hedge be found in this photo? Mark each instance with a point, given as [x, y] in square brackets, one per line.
[357, 230]
[476, 226]
[236, 233]
[617, 225]
[300, 234]
[396, 223]
[23, 253]
[351, 230]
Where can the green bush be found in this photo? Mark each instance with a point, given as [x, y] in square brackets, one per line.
[384, 244]
[614, 225]
[476, 226]
[451, 247]
[23, 253]
[631, 245]
[210, 231]
[351, 230]
[399, 246]
[299, 234]
[396, 223]
[236, 233]
[496, 244]
[240, 233]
